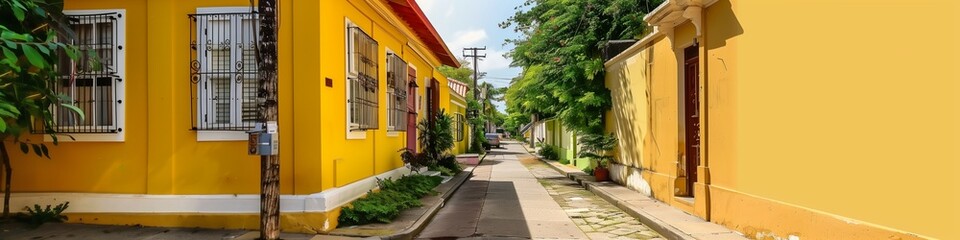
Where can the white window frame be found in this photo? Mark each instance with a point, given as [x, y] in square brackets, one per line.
[353, 72]
[120, 32]
[391, 128]
[236, 106]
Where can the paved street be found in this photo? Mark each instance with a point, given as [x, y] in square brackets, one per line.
[513, 195]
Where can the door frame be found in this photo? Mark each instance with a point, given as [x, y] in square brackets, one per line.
[412, 96]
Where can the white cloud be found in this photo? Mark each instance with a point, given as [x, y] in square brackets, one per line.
[426, 5]
[468, 38]
[494, 61]
[449, 12]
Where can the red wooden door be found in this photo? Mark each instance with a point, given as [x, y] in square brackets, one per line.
[434, 98]
[691, 86]
[412, 110]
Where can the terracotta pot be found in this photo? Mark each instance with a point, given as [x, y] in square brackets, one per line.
[601, 174]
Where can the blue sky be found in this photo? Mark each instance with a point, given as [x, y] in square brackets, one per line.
[473, 23]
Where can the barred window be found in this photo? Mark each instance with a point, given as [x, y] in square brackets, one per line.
[223, 68]
[459, 126]
[362, 80]
[94, 79]
[396, 93]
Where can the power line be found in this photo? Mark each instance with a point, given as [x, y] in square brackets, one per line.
[474, 53]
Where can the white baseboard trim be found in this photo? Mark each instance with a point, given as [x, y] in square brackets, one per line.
[222, 203]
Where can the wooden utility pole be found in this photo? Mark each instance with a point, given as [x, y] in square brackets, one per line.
[476, 72]
[270, 164]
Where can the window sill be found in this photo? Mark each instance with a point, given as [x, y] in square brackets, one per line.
[356, 135]
[393, 133]
[86, 137]
[221, 136]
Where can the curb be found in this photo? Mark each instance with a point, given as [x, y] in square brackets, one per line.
[588, 182]
[420, 224]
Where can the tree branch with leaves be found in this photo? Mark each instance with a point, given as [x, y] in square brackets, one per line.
[559, 50]
[31, 43]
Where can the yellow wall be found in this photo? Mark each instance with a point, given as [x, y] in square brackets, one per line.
[346, 161]
[161, 155]
[824, 119]
[459, 147]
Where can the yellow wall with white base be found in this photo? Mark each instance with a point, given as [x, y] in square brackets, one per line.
[823, 119]
[160, 169]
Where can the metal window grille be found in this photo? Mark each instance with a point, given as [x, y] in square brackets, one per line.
[90, 80]
[363, 81]
[223, 71]
[396, 93]
[459, 128]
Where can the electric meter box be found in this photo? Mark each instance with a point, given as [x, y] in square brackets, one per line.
[264, 142]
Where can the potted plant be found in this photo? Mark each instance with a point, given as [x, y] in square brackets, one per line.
[598, 147]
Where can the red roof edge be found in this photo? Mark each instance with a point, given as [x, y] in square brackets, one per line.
[425, 30]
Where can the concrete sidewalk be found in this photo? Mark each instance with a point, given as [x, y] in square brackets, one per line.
[503, 200]
[668, 221]
[15, 230]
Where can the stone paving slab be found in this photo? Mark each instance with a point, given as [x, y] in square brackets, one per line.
[671, 222]
[592, 214]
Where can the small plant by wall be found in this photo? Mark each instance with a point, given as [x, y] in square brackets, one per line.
[394, 197]
[549, 152]
[436, 139]
[37, 216]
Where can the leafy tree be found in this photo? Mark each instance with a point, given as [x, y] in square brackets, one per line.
[464, 73]
[28, 77]
[559, 49]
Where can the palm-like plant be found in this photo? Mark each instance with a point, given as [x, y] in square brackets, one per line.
[436, 137]
[598, 147]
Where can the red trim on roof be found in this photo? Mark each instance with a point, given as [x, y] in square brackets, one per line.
[410, 12]
[458, 87]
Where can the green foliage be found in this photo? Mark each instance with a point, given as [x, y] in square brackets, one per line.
[394, 196]
[549, 152]
[28, 73]
[414, 161]
[436, 137]
[37, 216]
[450, 164]
[464, 73]
[443, 170]
[477, 139]
[28, 76]
[559, 51]
[598, 147]
[563, 161]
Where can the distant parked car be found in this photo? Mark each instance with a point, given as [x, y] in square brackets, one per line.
[493, 139]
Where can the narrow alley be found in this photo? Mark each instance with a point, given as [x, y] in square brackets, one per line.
[512, 195]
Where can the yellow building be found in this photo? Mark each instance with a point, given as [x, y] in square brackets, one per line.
[796, 119]
[163, 143]
[458, 110]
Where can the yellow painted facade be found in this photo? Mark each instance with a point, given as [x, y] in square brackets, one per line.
[820, 119]
[161, 155]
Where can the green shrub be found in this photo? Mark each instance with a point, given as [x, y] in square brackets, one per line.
[37, 216]
[549, 152]
[394, 197]
[598, 147]
[563, 161]
[450, 163]
[478, 141]
[443, 171]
